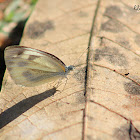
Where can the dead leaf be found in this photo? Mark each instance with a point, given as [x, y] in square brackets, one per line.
[98, 101]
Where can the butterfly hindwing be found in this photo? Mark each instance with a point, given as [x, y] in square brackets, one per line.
[31, 67]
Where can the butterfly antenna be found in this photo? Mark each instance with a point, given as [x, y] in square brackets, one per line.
[79, 58]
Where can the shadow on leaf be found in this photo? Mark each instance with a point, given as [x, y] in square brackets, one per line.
[15, 111]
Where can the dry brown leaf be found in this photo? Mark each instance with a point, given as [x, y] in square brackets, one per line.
[101, 99]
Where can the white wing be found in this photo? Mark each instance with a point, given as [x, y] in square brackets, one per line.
[31, 67]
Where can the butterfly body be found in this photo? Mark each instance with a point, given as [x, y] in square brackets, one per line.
[30, 67]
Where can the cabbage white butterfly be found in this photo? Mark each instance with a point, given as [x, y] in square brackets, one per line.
[31, 67]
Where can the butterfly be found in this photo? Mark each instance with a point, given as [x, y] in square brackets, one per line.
[31, 67]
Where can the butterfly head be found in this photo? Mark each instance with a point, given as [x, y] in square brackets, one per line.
[69, 68]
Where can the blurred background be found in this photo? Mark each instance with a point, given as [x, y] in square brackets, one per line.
[13, 17]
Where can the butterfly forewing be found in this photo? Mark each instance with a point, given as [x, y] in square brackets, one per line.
[31, 67]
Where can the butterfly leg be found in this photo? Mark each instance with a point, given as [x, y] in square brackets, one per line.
[58, 83]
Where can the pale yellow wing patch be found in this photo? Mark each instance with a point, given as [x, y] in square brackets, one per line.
[32, 77]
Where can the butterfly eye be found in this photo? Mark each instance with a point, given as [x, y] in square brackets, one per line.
[70, 68]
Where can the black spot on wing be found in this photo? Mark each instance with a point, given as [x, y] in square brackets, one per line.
[14, 51]
[34, 75]
[9, 69]
[37, 28]
[22, 64]
[32, 57]
[9, 62]
[20, 51]
[27, 74]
